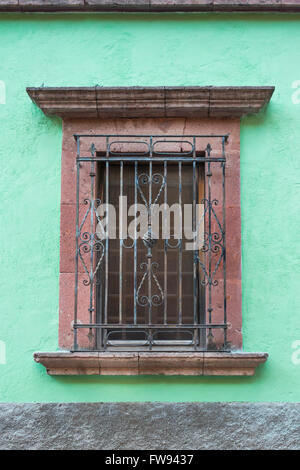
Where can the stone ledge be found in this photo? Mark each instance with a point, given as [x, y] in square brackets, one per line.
[159, 102]
[150, 363]
[281, 6]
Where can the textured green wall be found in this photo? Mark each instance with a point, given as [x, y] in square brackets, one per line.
[179, 49]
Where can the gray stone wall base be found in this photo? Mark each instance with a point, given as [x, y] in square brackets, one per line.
[152, 426]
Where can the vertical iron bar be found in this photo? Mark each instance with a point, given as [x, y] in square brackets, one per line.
[135, 238]
[209, 174]
[92, 239]
[165, 244]
[180, 245]
[150, 248]
[200, 170]
[75, 345]
[121, 244]
[194, 229]
[224, 242]
[107, 238]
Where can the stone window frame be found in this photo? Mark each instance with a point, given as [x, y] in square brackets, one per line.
[150, 110]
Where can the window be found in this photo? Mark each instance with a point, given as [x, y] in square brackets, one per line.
[101, 331]
[150, 238]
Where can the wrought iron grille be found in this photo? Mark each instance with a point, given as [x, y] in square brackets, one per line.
[141, 286]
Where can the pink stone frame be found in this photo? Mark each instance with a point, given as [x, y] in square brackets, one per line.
[173, 126]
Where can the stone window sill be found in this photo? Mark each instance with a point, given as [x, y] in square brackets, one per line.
[150, 363]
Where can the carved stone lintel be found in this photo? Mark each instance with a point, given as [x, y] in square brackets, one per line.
[158, 102]
[150, 363]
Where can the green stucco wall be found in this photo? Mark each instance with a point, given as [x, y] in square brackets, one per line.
[132, 49]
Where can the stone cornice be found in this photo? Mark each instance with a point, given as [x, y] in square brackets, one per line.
[150, 363]
[129, 102]
[285, 6]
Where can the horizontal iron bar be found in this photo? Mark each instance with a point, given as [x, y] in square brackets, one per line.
[205, 136]
[165, 349]
[152, 159]
[148, 327]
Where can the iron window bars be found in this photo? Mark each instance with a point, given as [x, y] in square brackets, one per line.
[149, 293]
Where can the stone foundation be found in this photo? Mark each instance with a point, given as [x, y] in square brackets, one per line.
[150, 426]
